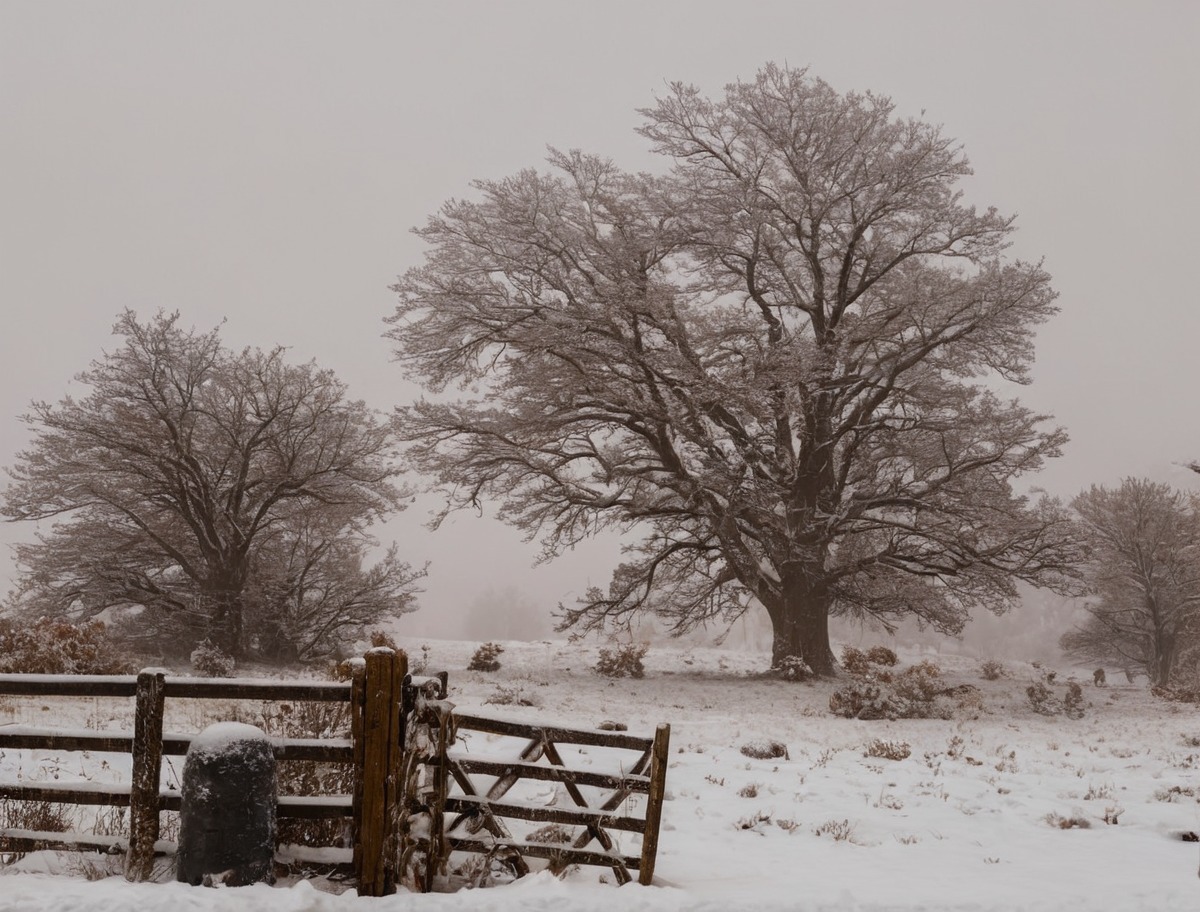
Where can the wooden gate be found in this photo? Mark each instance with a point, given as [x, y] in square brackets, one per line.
[505, 805]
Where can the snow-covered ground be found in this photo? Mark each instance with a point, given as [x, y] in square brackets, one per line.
[965, 822]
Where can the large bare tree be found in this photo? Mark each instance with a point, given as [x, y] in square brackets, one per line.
[226, 494]
[1143, 570]
[778, 366]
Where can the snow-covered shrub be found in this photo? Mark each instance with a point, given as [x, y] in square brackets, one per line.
[881, 655]
[486, 658]
[764, 749]
[211, 661]
[41, 816]
[914, 693]
[749, 790]
[991, 670]
[888, 750]
[1044, 701]
[51, 646]
[792, 668]
[512, 696]
[1074, 822]
[623, 661]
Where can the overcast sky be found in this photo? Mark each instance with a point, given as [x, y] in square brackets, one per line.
[264, 162]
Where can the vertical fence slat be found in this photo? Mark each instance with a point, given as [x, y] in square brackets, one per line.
[383, 687]
[358, 698]
[658, 788]
[147, 770]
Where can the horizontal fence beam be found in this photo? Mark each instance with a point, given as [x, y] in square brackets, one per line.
[543, 850]
[333, 750]
[18, 685]
[474, 805]
[592, 737]
[545, 773]
[293, 806]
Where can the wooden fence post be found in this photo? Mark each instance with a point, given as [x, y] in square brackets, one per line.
[381, 738]
[658, 787]
[358, 699]
[144, 801]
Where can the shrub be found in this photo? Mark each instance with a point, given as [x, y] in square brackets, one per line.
[512, 696]
[991, 670]
[881, 655]
[764, 750]
[749, 790]
[53, 646]
[1044, 701]
[623, 661]
[888, 750]
[486, 658]
[915, 693]
[211, 661]
[1074, 822]
[792, 668]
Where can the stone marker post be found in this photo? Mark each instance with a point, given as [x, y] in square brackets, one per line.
[227, 820]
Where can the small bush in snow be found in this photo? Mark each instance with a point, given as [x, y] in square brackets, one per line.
[888, 750]
[881, 655]
[486, 658]
[749, 790]
[792, 668]
[991, 670]
[623, 661]
[914, 693]
[51, 646]
[209, 660]
[764, 750]
[858, 662]
[1044, 701]
[1074, 822]
[839, 830]
[512, 696]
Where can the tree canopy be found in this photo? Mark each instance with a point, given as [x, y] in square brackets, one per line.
[1143, 570]
[209, 493]
[776, 369]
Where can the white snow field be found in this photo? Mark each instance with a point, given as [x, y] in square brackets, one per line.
[970, 821]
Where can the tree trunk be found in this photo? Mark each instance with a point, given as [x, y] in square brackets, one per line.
[227, 630]
[800, 624]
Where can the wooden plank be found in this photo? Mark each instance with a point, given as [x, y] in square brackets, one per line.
[358, 699]
[318, 807]
[49, 739]
[658, 790]
[174, 744]
[147, 772]
[595, 738]
[593, 829]
[381, 741]
[469, 764]
[544, 850]
[18, 685]
[254, 689]
[470, 805]
[67, 793]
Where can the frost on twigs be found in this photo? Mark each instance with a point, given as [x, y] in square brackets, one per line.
[917, 692]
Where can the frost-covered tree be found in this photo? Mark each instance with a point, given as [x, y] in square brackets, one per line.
[776, 369]
[1143, 570]
[212, 493]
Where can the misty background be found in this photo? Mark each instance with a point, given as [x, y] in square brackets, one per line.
[262, 163]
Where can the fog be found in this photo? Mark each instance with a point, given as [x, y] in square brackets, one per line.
[263, 163]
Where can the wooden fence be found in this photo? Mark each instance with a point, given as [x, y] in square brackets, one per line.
[401, 738]
[463, 801]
